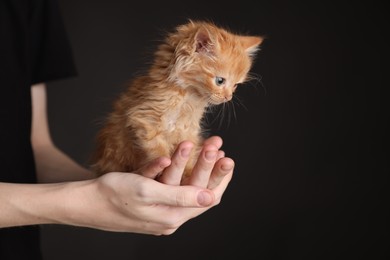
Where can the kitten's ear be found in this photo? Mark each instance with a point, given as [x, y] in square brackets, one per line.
[251, 43]
[203, 41]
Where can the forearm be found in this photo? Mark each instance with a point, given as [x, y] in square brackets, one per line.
[31, 204]
[52, 164]
[55, 166]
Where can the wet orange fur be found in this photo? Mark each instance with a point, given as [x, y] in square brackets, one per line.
[166, 106]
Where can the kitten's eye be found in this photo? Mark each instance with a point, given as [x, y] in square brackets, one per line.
[219, 81]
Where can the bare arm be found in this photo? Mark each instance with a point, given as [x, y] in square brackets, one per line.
[52, 164]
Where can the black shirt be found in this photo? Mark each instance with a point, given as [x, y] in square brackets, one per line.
[33, 48]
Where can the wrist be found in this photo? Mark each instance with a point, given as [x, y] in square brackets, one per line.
[77, 207]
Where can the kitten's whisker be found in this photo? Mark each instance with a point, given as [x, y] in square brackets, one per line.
[234, 110]
[218, 117]
[228, 113]
[215, 111]
[254, 78]
[240, 103]
[222, 113]
[225, 112]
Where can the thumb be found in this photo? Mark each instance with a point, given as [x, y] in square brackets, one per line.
[184, 196]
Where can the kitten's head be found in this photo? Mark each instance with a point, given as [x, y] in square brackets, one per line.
[210, 61]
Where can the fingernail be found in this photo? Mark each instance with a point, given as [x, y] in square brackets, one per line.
[211, 155]
[185, 152]
[227, 167]
[164, 162]
[204, 198]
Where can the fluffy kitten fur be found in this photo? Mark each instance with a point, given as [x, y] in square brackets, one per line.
[196, 66]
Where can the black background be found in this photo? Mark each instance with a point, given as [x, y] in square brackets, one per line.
[309, 141]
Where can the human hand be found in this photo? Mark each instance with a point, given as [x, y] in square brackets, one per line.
[130, 202]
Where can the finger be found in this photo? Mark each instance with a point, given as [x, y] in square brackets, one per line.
[182, 196]
[214, 140]
[201, 172]
[220, 155]
[223, 167]
[220, 189]
[154, 168]
[172, 175]
[218, 192]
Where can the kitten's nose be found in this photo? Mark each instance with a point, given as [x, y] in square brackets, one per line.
[228, 97]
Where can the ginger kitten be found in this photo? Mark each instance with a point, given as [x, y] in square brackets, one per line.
[197, 66]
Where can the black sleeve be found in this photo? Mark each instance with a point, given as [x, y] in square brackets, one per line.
[51, 53]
